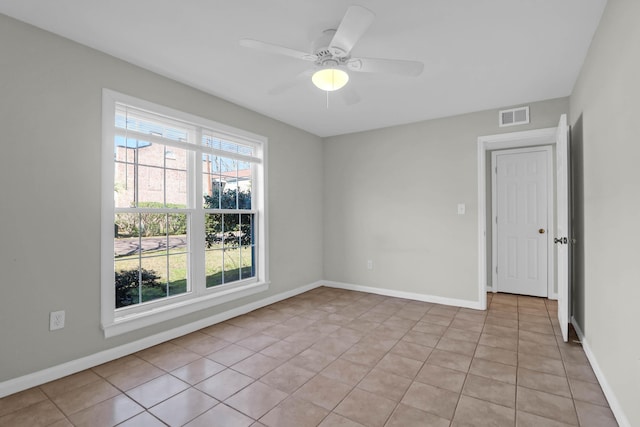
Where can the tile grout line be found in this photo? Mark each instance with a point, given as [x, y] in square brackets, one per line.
[414, 378]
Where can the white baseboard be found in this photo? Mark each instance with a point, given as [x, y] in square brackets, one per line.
[614, 403]
[53, 373]
[407, 295]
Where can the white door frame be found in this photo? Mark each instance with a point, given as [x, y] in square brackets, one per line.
[550, 215]
[486, 144]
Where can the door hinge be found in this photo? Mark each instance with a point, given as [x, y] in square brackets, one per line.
[496, 170]
[496, 220]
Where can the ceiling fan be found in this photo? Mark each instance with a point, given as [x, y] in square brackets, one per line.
[331, 55]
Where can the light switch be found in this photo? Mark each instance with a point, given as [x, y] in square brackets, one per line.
[461, 208]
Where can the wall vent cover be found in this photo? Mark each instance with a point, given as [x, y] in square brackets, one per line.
[513, 116]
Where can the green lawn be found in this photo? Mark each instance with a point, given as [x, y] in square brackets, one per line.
[171, 267]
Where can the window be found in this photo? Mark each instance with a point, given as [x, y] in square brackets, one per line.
[183, 213]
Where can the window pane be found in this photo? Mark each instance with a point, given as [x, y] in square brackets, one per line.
[177, 230]
[140, 122]
[178, 274]
[248, 266]
[243, 184]
[150, 187]
[213, 267]
[234, 234]
[246, 229]
[213, 231]
[176, 177]
[127, 261]
[126, 225]
[151, 155]
[246, 257]
[127, 281]
[153, 278]
[124, 176]
[150, 256]
[213, 254]
[157, 174]
[231, 265]
[231, 230]
[176, 188]
[153, 229]
[247, 249]
[226, 183]
[228, 166]
[131, 143]
[229, 177]
[212, 185]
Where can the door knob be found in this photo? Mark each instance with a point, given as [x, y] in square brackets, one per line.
[541, 231]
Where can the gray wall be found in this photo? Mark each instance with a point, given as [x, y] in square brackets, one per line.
[50, 139]
[391, 196]
[605, 111]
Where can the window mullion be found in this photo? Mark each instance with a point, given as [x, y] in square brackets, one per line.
[196, 240]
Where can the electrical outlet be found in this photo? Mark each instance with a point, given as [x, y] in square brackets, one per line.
[461, 209]
[56, 320]
[369, 264]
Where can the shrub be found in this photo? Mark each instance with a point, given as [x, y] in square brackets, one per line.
[129, 284]
[151, 224]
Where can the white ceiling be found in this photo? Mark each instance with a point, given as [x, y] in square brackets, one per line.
[478, 54]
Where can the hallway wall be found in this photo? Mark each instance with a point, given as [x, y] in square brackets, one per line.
[604, 113]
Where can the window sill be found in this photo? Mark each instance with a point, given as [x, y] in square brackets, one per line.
[128, 323]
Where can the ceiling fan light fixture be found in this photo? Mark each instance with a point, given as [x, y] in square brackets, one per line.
[330, 79]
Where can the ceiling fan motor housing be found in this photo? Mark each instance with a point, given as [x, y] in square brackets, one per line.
[327, 56]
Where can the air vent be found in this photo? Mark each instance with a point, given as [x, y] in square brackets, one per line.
[513, 116]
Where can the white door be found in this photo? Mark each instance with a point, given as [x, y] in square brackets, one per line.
[521, 206]
[563, 238]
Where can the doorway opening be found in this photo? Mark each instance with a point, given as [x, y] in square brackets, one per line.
[486, 146]
[559, 228]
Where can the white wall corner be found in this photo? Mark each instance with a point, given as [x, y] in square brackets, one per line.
[614, 403]
[24, 382]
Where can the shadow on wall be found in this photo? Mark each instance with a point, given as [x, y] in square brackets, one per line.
[577, 232]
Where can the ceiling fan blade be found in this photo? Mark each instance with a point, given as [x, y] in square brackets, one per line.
[389, 66]
[291, 83]
[355, 22]
[277, 49]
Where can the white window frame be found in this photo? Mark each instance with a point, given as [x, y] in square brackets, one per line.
[116, 322]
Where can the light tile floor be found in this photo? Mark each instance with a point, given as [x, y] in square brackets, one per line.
[332, 357]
